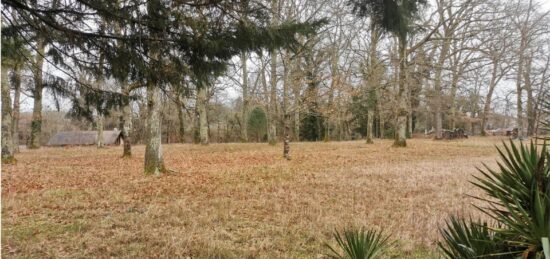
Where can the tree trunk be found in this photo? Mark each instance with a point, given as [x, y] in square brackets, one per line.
[8, 149]
[16, 105]
[126, 116]
[438, 95]
[372, 83]
[154, 163]
[438, 121]
[195, 123]
[286, 147]
[100, 142]
[454, 87]
[521, 58]
[36, 124]
[335, 81]
[488, 98]
[410, 123]
[181, 120]
[272, 129]
[519, 89]
[381, 119]
[410, 86]
[286, 114]
[370, 127]
[203, 119]
[401, 123]
[244, 112]
[297, 123]
[530, 98]
[126, 121]
[126, 127]
[100, 117]
[296, 107]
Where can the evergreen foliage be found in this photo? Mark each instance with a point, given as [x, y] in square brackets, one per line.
[13, 48]
[312, 125]
[392, 15]
[257, 124]
[156, 42]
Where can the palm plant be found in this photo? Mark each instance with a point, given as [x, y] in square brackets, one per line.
[519, 201]
[359, 244]
[470, 239]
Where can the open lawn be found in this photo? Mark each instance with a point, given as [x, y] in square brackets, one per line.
[235, 200]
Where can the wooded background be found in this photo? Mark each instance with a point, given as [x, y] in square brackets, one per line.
[472, 64]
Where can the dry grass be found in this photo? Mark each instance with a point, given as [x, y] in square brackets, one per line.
[234, 200]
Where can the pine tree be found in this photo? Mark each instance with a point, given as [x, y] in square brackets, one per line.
[257, 124]
[166, 43]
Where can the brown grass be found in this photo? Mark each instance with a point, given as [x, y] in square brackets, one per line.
[235, 200]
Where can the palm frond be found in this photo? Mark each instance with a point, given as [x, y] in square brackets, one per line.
[519, 195]
[472, 239]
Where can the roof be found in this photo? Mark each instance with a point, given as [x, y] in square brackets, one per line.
[65, 138]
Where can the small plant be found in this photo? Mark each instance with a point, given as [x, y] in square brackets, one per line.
[359, 244]
[519, 202]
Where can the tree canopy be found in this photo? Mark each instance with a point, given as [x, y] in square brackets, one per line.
[392, 15]
[166, 42]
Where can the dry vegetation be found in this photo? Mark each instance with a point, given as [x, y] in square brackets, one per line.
[234, 200]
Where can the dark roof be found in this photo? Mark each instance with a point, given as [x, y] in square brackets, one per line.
[65, 138]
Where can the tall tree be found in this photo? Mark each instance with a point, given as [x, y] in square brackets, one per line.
[246, 101]
[36, 124]
[100, 81]
[395, 17]
[272, 121]
[126, 120]
[154, 161]
[8, 149]
[202, 99]
[373, 80]
[16, 114]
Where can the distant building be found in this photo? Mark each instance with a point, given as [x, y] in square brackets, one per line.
[83, 138]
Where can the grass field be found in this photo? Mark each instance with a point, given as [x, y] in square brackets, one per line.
[235, 200]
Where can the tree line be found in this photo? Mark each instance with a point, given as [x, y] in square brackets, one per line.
[277, 70]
